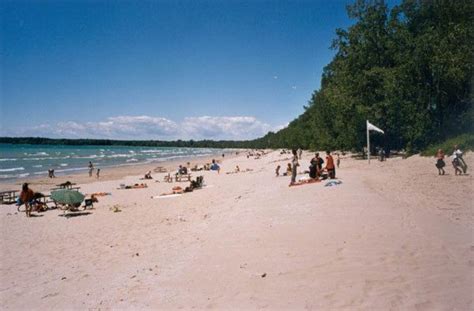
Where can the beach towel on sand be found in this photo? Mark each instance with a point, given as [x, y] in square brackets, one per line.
[166, 196]
[333, 183]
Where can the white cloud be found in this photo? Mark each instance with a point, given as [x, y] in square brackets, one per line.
[294, 87]
[275, 77]
[147, 127]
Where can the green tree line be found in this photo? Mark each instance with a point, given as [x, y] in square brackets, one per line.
[409, 70]
[243, 144]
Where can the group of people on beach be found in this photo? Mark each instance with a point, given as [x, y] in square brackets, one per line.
[316, 169]
[459, 165]
[91, 170]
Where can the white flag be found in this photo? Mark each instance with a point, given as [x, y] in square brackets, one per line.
[372, 127]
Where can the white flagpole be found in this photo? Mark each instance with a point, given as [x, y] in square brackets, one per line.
[368, 141]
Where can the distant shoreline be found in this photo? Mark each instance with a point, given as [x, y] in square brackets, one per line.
[221, 144]
[43, 183]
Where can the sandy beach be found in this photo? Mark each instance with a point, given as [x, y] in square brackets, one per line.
[393, 236]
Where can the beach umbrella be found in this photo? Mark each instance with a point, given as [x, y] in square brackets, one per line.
[69, 197]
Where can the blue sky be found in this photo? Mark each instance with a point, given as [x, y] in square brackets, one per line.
[161, 69]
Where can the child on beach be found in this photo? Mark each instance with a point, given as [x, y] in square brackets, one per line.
[98, 173]
[277, 171]
[440, 161]
[288, 170]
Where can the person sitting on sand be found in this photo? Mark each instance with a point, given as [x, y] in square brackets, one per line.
[148, 175]
[215, 166]
[288, 170]
[26, 197]
[331, 169]
[237, 169]
[137, 186]
[440, 162]
[277, 171]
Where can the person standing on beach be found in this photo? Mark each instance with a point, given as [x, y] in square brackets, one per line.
[338, 160]
[319, 164]
[300, 153]
[294, 167]
[98, 173]
[440, 161]
[91, 168]
[458, 153]
[26, 197]
[330, 165]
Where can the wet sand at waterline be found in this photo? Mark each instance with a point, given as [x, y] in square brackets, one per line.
[393, 235]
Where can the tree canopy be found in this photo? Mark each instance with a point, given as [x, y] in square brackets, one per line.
[408, 69]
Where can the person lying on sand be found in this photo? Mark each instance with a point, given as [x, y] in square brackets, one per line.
[194, 184]
[304, 182]
[135, 186]
[100, 194]
[174, 190]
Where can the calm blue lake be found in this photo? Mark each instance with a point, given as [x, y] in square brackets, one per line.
[19, 161]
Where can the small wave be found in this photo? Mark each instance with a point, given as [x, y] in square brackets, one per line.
[132, 160]
[7, 159]
[36, 154]
[85, 157]
[120, 155]
[39, 165]
[12, 169]
[151, 151]
[63, 164]
[12, 176]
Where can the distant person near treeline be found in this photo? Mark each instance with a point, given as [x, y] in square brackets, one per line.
[460, 167]
[440, 162]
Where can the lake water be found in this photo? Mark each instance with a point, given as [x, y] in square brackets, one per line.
[19, 161]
